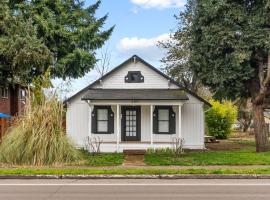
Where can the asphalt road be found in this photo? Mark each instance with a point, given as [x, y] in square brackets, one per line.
[135, 189]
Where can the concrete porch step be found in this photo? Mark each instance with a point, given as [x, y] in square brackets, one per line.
[134, 157]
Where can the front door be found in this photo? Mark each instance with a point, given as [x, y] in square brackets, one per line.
[131, 123]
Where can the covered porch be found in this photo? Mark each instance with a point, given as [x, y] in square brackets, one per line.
[135, 119]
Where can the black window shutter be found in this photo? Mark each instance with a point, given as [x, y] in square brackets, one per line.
[111, 120]
[94, 120]
[155, 121]
[172, 122]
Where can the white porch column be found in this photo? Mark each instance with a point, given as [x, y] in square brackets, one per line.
[90, 119]
[117, 126]
[151, 125]
[180, 121]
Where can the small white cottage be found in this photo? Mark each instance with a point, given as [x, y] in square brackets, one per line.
[135, 106]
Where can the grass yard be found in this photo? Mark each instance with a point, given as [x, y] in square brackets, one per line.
[227, 152]
[224, 153]
[104, 159]
[209, 158]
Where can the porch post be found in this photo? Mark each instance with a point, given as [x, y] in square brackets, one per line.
[179, 121]
[151, 125]
[117, 126]
[90, 119]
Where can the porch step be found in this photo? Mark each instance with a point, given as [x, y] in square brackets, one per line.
[134, 156]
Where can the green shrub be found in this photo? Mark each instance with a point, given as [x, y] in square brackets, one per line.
[38, 136]
[220, 118]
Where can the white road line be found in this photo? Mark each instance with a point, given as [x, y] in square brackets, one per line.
[132, 184]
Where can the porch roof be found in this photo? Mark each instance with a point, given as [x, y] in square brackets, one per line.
[135, 94]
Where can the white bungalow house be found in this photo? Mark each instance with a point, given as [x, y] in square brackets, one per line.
[135, 106]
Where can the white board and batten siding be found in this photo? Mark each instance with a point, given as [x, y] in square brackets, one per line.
[152, 80]
[192, 119]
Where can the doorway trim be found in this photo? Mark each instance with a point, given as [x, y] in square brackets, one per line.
[138, 123]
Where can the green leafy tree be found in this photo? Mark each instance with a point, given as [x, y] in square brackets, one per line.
[68, 30]
[177, 60]
[22, 53]
[230, 52]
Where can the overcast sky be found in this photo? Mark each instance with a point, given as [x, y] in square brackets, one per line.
[140, 24]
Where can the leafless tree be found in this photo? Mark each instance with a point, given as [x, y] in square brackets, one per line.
[93, 144]
[178, 146]
[103, 65]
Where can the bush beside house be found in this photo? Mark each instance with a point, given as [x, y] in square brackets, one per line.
[220, 118]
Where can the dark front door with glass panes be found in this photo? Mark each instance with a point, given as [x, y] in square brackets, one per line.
[131, 123]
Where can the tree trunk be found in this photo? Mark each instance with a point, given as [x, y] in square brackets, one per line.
[247, 121]
[245, 127]
[261, 134]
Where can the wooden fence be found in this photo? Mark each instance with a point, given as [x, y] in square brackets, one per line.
[5, 123]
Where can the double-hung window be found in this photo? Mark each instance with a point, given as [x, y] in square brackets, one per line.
[164, 120]
[22, 94]
[102, 120]
[4, 92]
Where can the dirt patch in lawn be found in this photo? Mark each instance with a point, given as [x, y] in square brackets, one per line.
[230, 145]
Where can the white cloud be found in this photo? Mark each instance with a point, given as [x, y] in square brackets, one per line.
[159, 3]
[146, 47]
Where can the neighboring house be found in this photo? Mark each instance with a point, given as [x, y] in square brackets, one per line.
[135, 106]
[12, 99]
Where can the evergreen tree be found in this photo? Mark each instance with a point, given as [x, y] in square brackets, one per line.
[230, 52]
[22, 54]
[177, 60]
[68, 31]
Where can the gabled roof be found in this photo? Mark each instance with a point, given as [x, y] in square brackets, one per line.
[146, 64]
[135, 94]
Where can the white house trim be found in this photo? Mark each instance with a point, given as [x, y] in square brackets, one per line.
[179, 121]
[117, 92]
[117, 126]
[151, 124]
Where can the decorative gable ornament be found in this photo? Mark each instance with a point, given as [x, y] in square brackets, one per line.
[134, 77]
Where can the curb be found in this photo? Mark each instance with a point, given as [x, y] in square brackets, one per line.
[164, 176]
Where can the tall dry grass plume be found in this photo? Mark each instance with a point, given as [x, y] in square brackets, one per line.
[38, 136]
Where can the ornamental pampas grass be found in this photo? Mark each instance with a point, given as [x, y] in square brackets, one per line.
[38, 137]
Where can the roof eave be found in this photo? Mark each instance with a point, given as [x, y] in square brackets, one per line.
[147, 64]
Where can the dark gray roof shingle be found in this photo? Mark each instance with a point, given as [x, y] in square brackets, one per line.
[135, 94]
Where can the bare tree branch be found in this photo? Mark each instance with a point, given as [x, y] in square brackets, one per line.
[103, 66]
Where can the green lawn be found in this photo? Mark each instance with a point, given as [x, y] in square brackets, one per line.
[240, 153]
[243, 157]
[104, 159]
[131, 171]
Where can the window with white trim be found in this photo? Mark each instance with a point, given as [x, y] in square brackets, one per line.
[22, 94]
[4, 93]
[163, 120]
[102, 120]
